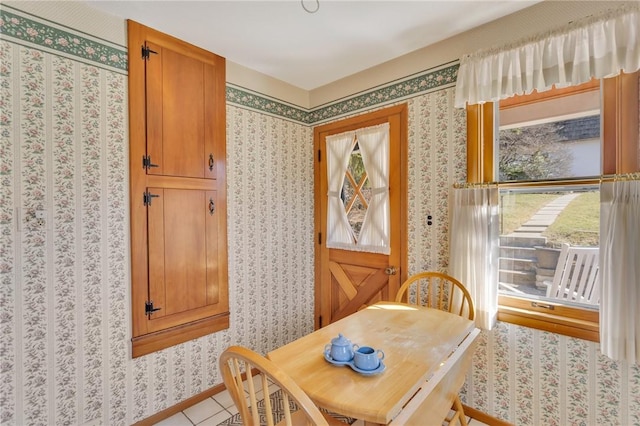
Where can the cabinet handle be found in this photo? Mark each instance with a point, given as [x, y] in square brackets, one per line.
[212, 206]
[210, 162]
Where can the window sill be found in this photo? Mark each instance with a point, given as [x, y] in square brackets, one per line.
[552, 317]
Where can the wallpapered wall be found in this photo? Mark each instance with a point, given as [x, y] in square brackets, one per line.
[65, 321]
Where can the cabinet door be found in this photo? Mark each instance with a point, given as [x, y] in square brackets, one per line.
[177, 126]
[184, 277]
[180, 96]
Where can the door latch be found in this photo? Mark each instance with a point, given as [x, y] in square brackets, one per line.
[146, 162]
[147, 197]
[149, 309]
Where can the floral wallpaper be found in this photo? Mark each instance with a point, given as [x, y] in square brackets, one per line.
[533, 377]
[437, 160]
[64, 258]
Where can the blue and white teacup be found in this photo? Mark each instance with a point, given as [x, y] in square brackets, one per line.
[367, 358]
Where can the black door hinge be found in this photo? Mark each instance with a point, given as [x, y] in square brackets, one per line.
[320, 238]
[146, 52]
[149, 309]
[147, 197]
[319, 156]
[146, 162]
[320, 321]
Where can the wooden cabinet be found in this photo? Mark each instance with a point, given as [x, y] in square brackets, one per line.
[178, 190]
[181, 96]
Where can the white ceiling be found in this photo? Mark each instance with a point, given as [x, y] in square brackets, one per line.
[309, 50]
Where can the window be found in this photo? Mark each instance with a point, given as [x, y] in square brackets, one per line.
[548, 152]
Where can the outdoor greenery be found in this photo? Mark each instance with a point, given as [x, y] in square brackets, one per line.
[532, 153]
[577, 224]
[517, 208]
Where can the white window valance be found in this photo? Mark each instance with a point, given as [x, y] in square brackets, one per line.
[598, 46]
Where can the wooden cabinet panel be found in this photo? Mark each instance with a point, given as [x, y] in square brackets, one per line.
[177, 154]
[177, 254]
[184, 277]
[180, 94]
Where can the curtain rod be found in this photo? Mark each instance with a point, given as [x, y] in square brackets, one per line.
[586, 181]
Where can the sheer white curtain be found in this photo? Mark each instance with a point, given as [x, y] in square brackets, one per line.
[620, 270]
[598, 46]
[339, 149]
[374, 146]
[474, 249]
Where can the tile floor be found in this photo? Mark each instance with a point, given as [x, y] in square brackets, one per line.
[215, 410]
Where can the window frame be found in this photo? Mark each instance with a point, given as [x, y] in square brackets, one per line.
[620, 137]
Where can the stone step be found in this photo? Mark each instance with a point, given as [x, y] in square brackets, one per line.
[521, 289]
[516, 264]
[517, 277]
[522, 240]
[530, 229]
[517, 252]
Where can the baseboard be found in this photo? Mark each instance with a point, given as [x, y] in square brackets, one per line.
[484, 417]
[181, 406]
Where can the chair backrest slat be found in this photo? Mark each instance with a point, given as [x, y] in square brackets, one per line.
[237, 360]
[576, 276]
[442, 292]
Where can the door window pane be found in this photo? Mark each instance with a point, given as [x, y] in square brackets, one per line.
[356, 191]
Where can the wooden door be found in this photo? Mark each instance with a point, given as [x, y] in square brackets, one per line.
[346, 280]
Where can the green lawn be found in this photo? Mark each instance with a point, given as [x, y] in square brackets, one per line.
[578, 224]
[517, 208]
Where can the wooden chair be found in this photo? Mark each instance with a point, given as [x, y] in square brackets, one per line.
[440, 291]
[576, 275]
[437, 290]
[237, 360]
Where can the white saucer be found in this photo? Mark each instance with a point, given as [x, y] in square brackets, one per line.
[350, 363]
[334, 362]
[378, 370]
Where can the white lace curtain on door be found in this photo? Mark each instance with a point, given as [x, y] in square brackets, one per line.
[374, 147]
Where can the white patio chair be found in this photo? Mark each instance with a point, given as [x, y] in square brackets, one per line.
[576, 276]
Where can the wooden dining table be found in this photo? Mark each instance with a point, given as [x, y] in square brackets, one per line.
[427, 353]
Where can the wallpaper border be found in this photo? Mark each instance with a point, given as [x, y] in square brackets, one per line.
[437, 78]
[28, 30]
